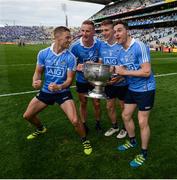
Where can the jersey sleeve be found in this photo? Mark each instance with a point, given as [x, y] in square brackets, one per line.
[143, 53]
[72, 63]
[73, 49]
[41, 58]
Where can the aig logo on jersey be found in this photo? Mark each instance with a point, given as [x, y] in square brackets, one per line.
[110, 60]
[55, 71]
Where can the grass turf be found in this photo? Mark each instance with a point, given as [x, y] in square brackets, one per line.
[59, 153]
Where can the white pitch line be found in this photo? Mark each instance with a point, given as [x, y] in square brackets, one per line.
[4, 65]
[11, 65]
[171, 58]
[21, 93]
[162, 75]
[29, 92]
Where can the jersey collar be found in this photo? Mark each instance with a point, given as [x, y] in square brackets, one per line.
[131, 44]
[94, 41]
[51, 48]
[111, 45]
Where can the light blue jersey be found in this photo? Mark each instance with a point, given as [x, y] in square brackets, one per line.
[108, 54]
[84, 54]
[55, 67]
[132, 58]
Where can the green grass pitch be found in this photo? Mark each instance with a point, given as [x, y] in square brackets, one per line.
[59, 153]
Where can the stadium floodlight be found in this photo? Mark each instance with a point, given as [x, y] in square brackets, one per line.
[64, 8]
[111, 3]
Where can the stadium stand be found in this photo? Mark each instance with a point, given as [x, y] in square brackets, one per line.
[152, 21]
[123, 7]
[34, 34]
[156, 37]
[30, 35]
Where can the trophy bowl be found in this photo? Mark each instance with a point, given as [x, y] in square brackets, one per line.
[97, 75]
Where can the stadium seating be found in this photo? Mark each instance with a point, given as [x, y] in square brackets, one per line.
[14, 33]
[122, 7]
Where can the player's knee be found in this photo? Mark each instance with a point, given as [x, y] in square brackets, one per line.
[75, 122]
[110, 108]
[121, 106]
[83, 103]
[125, 116]
[97, 105]
[26, 116]
[142, 123]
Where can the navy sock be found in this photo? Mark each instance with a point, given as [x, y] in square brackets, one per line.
[132, 140]
[40, 128]
[84, 124]
[144, 153]
[124, 128]
[115, 126]
[83, 139]
[97, 122]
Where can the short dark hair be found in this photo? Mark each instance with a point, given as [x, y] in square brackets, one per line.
[88, 22]
[107, 22]
[60, 29]
[124, 23]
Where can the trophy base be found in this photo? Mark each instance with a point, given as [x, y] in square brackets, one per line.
[96, 95]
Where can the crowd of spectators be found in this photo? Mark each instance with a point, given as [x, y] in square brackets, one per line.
[122, 7]
[157, 36]
[152, 20]
[27, 34]
[15, 33]
[151, 36]
[20, 34]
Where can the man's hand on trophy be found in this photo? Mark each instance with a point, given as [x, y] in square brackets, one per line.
[89, 62]
[93, 62]
[112, 69]
[115, 78]
[80, 67]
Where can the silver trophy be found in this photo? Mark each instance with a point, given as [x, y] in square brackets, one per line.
[98, 75]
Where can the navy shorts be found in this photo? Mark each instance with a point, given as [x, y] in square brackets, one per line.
[116, 92]
[144, 100]
[50, 99]
[83, 87]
